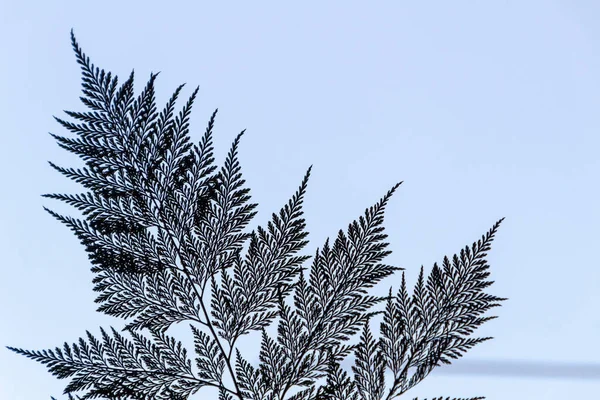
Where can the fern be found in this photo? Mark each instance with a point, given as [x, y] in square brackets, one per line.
[164, 228]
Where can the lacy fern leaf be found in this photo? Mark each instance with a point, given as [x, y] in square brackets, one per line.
[164, 227]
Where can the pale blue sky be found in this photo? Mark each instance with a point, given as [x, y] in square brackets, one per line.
[483, 109]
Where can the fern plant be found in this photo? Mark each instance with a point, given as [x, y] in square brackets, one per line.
[165, 231]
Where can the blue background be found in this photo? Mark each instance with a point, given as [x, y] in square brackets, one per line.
[483, 109]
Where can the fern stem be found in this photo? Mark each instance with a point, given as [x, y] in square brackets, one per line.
[205, 312]
[216, 337]
[170, 233]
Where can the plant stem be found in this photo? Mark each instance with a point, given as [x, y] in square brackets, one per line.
[200, 299]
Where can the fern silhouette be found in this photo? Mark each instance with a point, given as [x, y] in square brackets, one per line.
[164, 229]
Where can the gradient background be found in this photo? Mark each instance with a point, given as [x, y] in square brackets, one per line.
[484, 109]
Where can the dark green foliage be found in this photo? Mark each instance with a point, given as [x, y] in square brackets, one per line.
[164, 229]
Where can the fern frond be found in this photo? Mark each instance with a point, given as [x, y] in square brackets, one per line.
[250, 296]
[334, 303]
[369, 367]
[218, 229]
[339, 385]
[210, 361]
[433, 325]
[116, 365]
[251, 382]
[161, 221]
